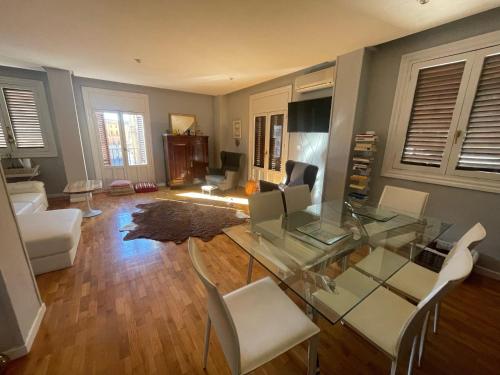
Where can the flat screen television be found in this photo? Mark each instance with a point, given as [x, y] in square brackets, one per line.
[309, 116]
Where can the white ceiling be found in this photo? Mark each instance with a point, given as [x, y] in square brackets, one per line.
[199, 45]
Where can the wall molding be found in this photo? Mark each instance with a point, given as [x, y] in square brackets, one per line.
[24, 349]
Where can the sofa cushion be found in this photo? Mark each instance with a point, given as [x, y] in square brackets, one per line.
[37, 199]
[23, 208]
[50, 232]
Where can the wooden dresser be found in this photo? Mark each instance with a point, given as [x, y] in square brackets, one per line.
[186, 159]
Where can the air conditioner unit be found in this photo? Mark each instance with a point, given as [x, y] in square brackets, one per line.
[316, 80]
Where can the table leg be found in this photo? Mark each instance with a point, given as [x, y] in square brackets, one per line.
[90, 212]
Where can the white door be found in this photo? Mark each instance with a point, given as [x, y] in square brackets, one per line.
[120, 135]
[268, 146]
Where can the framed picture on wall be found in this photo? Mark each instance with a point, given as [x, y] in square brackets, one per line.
[236, 129]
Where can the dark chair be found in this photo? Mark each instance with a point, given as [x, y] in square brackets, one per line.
[297, 173]
[226, 177]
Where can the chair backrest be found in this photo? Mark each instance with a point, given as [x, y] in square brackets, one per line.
[265, 206]
[458, 268]
[218, 312]
[230, 161]
[298, 173]
[469, 239]
[411, 202]
[297, 198]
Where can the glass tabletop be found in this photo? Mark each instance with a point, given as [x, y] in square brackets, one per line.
[333, 258]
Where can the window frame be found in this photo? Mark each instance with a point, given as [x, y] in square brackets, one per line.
[403, 100]
[38, 89]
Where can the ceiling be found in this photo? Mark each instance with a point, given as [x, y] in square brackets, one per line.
[206, 46]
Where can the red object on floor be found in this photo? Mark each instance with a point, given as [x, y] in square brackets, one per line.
[145, 187]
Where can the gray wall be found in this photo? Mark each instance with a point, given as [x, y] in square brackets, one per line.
[236, 107]
[52, 169]
[161, 103]
[460, 206]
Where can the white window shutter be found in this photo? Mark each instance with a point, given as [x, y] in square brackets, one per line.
[431, 114]
[481, 147]
[3, 138]
[24, 118]
[259, 141]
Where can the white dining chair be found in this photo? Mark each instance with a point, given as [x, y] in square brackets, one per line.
[297, 198]
[394, 325]
[254, 324]
[265, 206]
[262, 207]
[415, 282]
[405, 201]
[408, 201]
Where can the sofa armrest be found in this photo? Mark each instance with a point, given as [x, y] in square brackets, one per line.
[26, 187]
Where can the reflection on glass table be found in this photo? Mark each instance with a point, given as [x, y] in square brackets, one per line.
[332, 258]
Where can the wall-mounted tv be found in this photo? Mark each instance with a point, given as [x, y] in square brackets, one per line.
[309, 116]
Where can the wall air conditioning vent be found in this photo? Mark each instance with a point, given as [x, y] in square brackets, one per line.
[316, 80]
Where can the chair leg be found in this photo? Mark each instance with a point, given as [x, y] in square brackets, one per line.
[345, 262]
[207, 342]
[422, 339]
[412, 355]
[436, 318]
[250, 269]
[394, 367]
[312, 356]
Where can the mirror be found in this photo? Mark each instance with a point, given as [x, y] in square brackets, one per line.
[180, 123]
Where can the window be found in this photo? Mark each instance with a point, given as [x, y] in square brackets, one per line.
[445, 125]
[275, 138]
[111, 141]
[260, 141]
[25, 127]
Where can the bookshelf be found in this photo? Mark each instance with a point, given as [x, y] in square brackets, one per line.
[363, 155]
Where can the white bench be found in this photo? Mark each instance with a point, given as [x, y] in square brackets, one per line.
[51, 238]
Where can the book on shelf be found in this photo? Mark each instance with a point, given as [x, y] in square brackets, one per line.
[366, 138]
[357, 195]
[365, 147]
[362, 160]
[360, 178]
[359, 186]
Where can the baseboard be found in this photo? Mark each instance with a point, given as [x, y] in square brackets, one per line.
[22, 350]
[487, 272]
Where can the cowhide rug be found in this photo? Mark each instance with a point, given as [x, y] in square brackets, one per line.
[171, 220]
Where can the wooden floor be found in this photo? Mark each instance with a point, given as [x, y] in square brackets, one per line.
[136, 307]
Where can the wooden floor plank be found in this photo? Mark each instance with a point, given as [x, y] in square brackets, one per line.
[137, 307]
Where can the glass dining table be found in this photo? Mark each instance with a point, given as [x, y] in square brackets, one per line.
[332, 255]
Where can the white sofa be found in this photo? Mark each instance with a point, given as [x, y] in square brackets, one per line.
[28, 197]
[51, 237]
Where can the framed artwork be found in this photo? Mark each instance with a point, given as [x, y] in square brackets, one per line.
[237, 129]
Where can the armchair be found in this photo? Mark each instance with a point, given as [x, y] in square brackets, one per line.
[297, 173]
[227, 176]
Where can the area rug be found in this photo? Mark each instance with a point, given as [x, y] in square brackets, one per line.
[171, 220]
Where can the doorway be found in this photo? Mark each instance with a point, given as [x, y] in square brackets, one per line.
[120, 135]
[268, 146]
